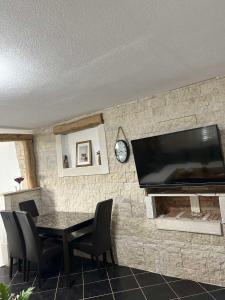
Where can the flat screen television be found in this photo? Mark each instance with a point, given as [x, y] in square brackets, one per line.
[191, 157]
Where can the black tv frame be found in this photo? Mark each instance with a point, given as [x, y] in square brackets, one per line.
[187, 186]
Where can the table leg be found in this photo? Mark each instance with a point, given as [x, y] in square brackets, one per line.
[66, 259]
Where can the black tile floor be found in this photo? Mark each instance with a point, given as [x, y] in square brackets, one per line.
[112, 283]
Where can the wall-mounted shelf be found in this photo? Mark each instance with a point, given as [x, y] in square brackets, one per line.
[186, 189]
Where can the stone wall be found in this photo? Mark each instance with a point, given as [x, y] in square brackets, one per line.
[138, 243]
[21, 160]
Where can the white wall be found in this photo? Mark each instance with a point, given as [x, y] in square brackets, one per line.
[69, 144]
[9, 167]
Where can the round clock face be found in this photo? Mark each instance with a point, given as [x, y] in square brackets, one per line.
[122, 151]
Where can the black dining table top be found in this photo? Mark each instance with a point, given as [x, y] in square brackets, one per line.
[62, 220]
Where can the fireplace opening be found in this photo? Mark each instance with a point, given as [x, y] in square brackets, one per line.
[180, 207]
[190, 213]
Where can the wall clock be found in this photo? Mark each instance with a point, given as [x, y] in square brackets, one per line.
[122, 150]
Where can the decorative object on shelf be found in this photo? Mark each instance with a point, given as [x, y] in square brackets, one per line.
[83, 154]
[122, 150]
[19, 180]
[65, 162]
[99, 161]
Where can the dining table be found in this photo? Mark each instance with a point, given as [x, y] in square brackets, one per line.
[63, 224]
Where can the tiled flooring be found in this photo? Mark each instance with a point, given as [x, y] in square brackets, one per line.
[113, 283]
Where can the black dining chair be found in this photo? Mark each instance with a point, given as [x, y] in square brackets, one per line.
[30, 207]
[16, 244]
[98, 242]
[38, 251]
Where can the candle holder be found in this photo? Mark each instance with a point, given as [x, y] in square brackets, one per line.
[19, 180]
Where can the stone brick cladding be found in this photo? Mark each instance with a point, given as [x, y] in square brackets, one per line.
[137, 241]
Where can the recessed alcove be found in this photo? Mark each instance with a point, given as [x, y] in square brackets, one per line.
[180, 206]
[89, 130]
[191, 212]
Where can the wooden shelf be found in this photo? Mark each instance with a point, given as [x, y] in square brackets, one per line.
[81, 124]
[208, 189]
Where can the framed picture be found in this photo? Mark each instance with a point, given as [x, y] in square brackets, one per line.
[83, 154]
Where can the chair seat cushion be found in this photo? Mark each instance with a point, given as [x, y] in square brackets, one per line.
[81, 232]
[50, 249]
[83, 243]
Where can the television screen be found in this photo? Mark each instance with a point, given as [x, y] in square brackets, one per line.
[190, 157]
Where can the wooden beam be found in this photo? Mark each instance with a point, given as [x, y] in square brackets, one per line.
[78, 125]
[30, 164]
[8, 137]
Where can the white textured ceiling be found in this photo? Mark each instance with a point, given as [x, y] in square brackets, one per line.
[64, 58]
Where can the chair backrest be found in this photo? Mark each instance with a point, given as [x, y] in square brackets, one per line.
[102, 225]
[30, 207]
[31, 238]
[16, 244]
